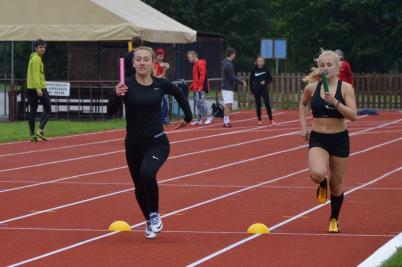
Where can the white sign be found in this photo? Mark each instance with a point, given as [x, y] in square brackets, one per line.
[58, 88]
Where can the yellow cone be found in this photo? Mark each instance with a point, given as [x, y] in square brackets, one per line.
[258, 228]
[120, 226]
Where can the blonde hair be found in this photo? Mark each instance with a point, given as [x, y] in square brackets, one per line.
[146, 48]
[315, 74]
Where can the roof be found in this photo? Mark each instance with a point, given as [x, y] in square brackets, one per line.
[88, 20]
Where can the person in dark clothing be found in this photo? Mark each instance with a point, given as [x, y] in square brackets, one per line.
[260, 77]
[129, 69]
[147, 146]
[329, 138]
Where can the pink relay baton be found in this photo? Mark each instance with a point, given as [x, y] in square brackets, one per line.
[122, 70]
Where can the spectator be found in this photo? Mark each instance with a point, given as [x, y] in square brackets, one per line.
[200, 87]
[345, 71]
[229, 82]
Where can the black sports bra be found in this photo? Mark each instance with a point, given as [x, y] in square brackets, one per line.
[321, 108]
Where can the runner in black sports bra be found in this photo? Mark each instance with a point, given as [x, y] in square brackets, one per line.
[321, 108]
[329, 138]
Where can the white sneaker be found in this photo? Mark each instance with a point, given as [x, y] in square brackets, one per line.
[209, 120]
[197, 122]
[148, 231]
[156, 222]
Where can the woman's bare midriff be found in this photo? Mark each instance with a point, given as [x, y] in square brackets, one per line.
[328, 125]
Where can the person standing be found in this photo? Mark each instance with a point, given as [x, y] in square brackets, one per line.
[36, 91]
[329, 138]
[200, 87]
[159, 71]
[345, 70]
[129, 69]
[229, 82]
[147, 146]
[260, 77]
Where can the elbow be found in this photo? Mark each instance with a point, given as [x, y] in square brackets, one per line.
[353, 117]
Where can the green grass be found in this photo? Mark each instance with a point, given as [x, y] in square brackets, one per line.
[16, 131]
[395, 260]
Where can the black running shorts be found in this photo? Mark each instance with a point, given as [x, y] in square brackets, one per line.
[336, 144]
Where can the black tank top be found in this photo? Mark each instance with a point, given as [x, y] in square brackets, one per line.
[321, 108]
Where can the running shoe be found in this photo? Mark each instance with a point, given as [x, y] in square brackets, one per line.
[227, 125]
[334, 226]
[148, 231]
[259, 123]
[196, 122]
[33, 138]
[209, 120]
[322, 193]
[156, 222]
[41, 135]
[273, 122]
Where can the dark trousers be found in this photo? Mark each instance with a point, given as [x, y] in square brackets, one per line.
[258, 93]
[165, 109]
[144, 162]
[33, 102]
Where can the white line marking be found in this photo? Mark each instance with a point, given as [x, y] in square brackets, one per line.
[120, 151]
[234, 245]
[106, 141]
[65, 136]
[172, 157]
[173, 213]
[383, 253]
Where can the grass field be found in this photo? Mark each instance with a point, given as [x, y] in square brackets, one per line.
[395, 260]
[16, 131]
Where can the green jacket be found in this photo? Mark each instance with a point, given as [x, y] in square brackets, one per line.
[36, 72]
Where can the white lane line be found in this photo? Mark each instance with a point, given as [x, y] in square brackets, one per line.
[61, 147]
[383, 253]
[100, 142]
[5, 228]
[172, 157]
[66, 136]
[234, 245]
[166, 215]
[120, 151]
[188, 175]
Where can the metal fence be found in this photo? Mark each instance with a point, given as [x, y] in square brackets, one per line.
[88, 99]
[372, 90]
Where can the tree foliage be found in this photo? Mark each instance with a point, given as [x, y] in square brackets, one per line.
[368, 31]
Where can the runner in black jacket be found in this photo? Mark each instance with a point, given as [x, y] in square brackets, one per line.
[260, 77]
[147, 146]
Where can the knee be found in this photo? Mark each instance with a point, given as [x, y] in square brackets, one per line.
[336, 186]
[317, 175]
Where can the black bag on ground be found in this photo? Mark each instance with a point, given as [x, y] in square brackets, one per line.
[217, 110]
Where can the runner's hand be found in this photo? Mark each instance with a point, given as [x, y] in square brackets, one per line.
[305, 134]
[121, 89]
[39, 92]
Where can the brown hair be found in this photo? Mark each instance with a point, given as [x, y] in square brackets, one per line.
[136, 41]
[315, 74]
[229, 51]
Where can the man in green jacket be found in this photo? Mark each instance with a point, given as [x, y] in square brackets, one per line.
[36, 91]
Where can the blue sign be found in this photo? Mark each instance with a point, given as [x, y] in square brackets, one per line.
[280, 49]
[267, 48]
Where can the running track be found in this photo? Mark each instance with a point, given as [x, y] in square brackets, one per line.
[57, 198]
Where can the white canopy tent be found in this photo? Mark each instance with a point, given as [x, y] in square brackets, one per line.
[88, 20]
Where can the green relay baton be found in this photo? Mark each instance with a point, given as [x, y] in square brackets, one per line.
[325, 82]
